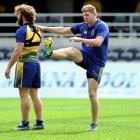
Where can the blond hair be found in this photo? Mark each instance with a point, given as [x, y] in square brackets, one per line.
[27, 11]
[89, 7]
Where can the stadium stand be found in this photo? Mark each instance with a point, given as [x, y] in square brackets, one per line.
[138, 56]
[124, 44]
[1, 55]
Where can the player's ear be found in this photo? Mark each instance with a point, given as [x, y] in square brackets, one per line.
[95, 14]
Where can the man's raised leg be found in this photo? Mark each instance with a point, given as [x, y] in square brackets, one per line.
[64, 53]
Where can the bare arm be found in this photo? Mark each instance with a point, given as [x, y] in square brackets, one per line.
[97, 42]
[14, 57]
[56, 30]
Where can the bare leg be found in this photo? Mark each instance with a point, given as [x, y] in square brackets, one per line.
[71, 53]
[92, 89]
[36, 103]
[25, 103]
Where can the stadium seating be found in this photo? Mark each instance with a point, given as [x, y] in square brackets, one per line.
[128, 56]
[1, 55]
[113, 56]
[118, 54]
[5, 53]
[137, 56]
[125, 55]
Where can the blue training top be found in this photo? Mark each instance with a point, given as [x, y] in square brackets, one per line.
[99, 28]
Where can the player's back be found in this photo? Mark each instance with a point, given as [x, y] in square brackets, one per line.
[30, 35]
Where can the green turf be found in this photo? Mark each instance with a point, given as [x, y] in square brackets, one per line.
[69, 119]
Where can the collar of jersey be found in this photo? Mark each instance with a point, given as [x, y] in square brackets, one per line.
[94, 24]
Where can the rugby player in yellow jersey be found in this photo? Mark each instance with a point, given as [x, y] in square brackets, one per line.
[27, 74]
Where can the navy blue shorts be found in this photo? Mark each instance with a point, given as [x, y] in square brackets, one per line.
[27, 74]
[94, 70]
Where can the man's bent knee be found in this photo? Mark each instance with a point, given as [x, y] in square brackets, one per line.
[71, 51]
[74, 54]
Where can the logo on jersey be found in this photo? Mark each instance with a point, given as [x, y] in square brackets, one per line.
[92, 33]
[85, 32]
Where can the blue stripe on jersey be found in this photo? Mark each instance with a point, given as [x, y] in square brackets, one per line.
[21, 34]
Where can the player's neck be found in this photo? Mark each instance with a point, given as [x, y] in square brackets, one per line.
[25, 21]
[92, 23]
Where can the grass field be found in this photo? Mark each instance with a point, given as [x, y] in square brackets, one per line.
[69, 119]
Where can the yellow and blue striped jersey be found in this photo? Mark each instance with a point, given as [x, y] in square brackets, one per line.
[31, 37]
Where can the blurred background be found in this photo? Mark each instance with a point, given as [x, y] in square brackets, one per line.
[121, 75]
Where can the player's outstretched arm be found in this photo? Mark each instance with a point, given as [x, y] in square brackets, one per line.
[56, 30]
[89, 42]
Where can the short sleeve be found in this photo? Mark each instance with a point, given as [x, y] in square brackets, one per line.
[76, 28]
[102, 30]
[20, 35]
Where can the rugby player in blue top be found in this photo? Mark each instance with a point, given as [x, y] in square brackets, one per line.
[92, 56]
[27, 75]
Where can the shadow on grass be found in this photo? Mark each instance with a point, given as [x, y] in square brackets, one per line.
[44, 132]
[11, 131]
[67, 133]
